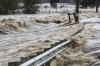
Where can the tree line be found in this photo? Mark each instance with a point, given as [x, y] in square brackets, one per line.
[12, 6]
[31, 6]
[88, 3]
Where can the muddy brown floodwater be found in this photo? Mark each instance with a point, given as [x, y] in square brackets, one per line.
[25, 36]
[20, 38]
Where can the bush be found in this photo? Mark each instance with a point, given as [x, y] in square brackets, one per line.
[8, 6]
[87, 3]
[30, 6]
[53, 3]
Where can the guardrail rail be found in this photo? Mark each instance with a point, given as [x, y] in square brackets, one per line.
[48, 55]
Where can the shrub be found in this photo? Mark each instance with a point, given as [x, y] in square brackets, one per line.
[30, 6]
[8, 6]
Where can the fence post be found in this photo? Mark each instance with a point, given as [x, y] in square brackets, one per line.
[69, 17]
[77, 11]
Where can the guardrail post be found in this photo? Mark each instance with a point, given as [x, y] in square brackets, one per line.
[48, 63]
[53, 63]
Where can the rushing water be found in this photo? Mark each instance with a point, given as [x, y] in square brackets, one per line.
[20, 38]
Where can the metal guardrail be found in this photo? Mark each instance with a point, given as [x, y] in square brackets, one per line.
[48, 55]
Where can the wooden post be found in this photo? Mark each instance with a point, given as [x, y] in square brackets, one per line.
[97, 5]
[77, 11]
[69, 17]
